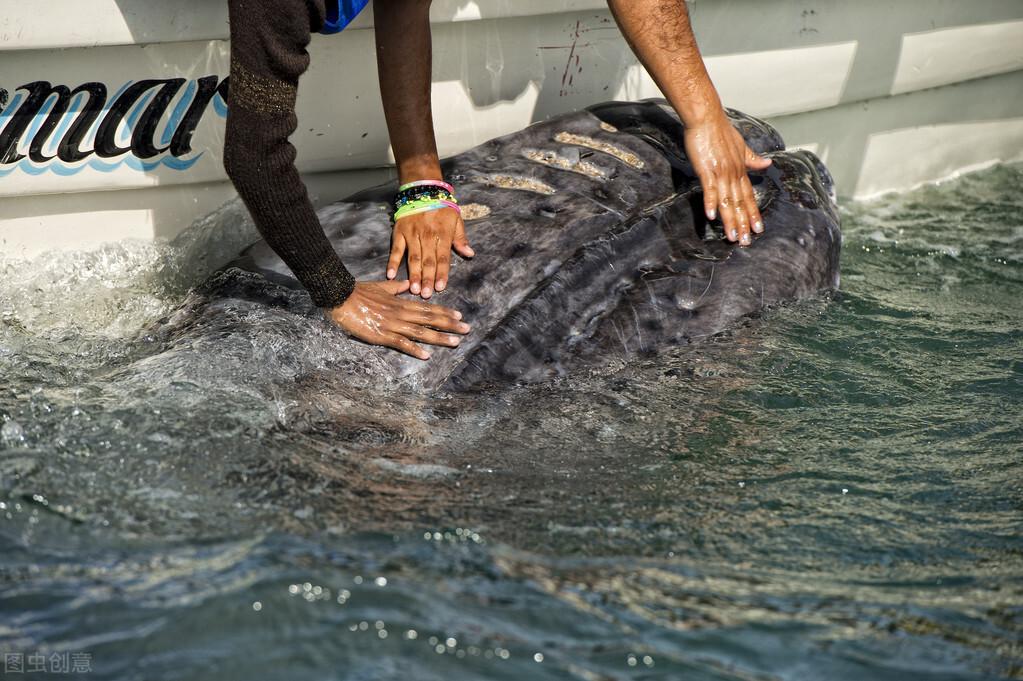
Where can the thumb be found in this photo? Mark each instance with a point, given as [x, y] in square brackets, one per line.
[756, 162]
[461, 242]
[395, 288]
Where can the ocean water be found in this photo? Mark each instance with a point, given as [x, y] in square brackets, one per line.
[833, 490]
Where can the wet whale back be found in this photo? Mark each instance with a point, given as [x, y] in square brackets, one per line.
[588, 244]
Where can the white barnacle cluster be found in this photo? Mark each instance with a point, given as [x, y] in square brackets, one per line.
[571, 161]
[528, 184]
[624, 155]
[475, 211]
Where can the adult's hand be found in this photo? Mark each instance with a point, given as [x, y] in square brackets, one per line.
[428, 238]
[661, 34]
[375, 314]
[721, 159]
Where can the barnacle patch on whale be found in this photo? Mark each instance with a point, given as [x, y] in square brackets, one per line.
[475, 211]
[561, 162]
[528, 184]
[623, 155]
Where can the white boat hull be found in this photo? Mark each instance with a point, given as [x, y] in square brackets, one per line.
[889, 96]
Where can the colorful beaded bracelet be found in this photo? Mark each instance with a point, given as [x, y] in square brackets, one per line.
[427, 183]
[424, 196]
[424, 206]
[435, 195]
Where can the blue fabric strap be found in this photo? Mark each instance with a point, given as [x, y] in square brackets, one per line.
[340, 13]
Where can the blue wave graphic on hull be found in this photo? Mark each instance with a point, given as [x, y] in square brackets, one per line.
[64, 170]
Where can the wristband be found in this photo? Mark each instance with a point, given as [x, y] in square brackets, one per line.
[424, 206]
[427, 183]
[424, 196]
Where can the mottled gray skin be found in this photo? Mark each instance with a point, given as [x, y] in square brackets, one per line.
[612, 262]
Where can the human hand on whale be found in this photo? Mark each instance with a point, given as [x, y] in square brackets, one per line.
[717, 151]
[376, 315]
[428, 238]
[661, 36]
[266, 51]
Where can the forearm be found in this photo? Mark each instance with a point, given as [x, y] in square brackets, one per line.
[268, 39]
[404, 61]
[662, 37]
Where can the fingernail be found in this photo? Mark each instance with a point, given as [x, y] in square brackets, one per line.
[712, 214]
[455, 340]
[758, 226]
[733, 235]
[425, 356]
[464, 328]
[415, 289]
[391, 274]
[458, 315]
[471, 252]
[441, 285]
[746, 240]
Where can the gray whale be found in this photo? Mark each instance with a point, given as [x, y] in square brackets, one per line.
[591, 242]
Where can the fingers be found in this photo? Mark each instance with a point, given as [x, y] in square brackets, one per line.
[397, 251]
[395, 288]
[435, 326]
[737, 205]
[403, 344]
[742, 222]
[722, 158]
[410, 309]
[726, 205]
[754, 161]
[373, 314]
[710, 198]
[734, 215]
[426, 335]
[428, 239]
[415, 265]
[461, 242]
[440, 318]
[429, 244]
[443, 264]
[749, 199]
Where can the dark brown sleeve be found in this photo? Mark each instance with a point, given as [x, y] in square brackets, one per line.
[268, 55]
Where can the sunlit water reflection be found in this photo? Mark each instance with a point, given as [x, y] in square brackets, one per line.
[831, 491]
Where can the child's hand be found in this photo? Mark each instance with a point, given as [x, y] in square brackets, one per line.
[428, 238]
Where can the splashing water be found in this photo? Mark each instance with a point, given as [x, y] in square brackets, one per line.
[831, 491]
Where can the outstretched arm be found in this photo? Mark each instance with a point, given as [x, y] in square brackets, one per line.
[404, 60]
[268, 55]
[661, 36]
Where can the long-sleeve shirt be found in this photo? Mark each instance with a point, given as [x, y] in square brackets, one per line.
[268, 55]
